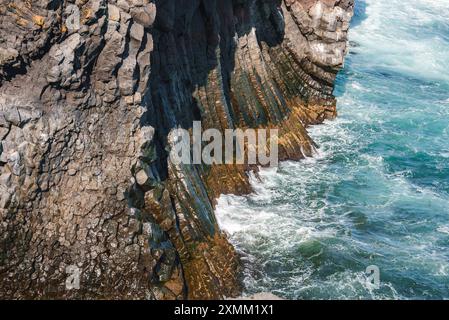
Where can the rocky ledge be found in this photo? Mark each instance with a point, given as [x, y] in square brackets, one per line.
[89, 91]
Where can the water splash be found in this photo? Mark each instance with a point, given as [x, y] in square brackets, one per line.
[377, 190]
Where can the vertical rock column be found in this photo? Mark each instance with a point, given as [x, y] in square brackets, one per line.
[89, 92]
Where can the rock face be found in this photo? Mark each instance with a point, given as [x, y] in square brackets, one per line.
[89, 91]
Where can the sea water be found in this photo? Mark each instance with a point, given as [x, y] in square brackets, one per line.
[376, 193]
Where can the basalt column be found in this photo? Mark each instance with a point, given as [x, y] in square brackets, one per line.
[89, 93]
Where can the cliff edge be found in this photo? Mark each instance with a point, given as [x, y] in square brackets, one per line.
[90, 90]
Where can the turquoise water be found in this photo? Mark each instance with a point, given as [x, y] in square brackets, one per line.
[377, 190]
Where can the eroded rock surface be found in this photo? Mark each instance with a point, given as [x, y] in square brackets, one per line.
[89, 91]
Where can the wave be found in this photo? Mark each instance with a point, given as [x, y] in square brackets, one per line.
[376, 190]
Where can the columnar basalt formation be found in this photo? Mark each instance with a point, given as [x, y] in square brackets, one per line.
[89, 92]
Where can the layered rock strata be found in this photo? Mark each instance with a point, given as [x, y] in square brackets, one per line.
[89, 92]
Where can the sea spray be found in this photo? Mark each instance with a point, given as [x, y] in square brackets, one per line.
[376, 193]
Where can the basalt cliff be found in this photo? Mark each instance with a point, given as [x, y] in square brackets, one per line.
[89, 92]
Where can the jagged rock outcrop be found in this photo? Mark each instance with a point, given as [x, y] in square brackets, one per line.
[90, 90]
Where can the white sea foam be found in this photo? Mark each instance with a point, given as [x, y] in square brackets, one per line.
[443, 229]
[346, 206]
[387, 32]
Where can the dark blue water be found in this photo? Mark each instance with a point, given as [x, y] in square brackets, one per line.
[377, 191]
